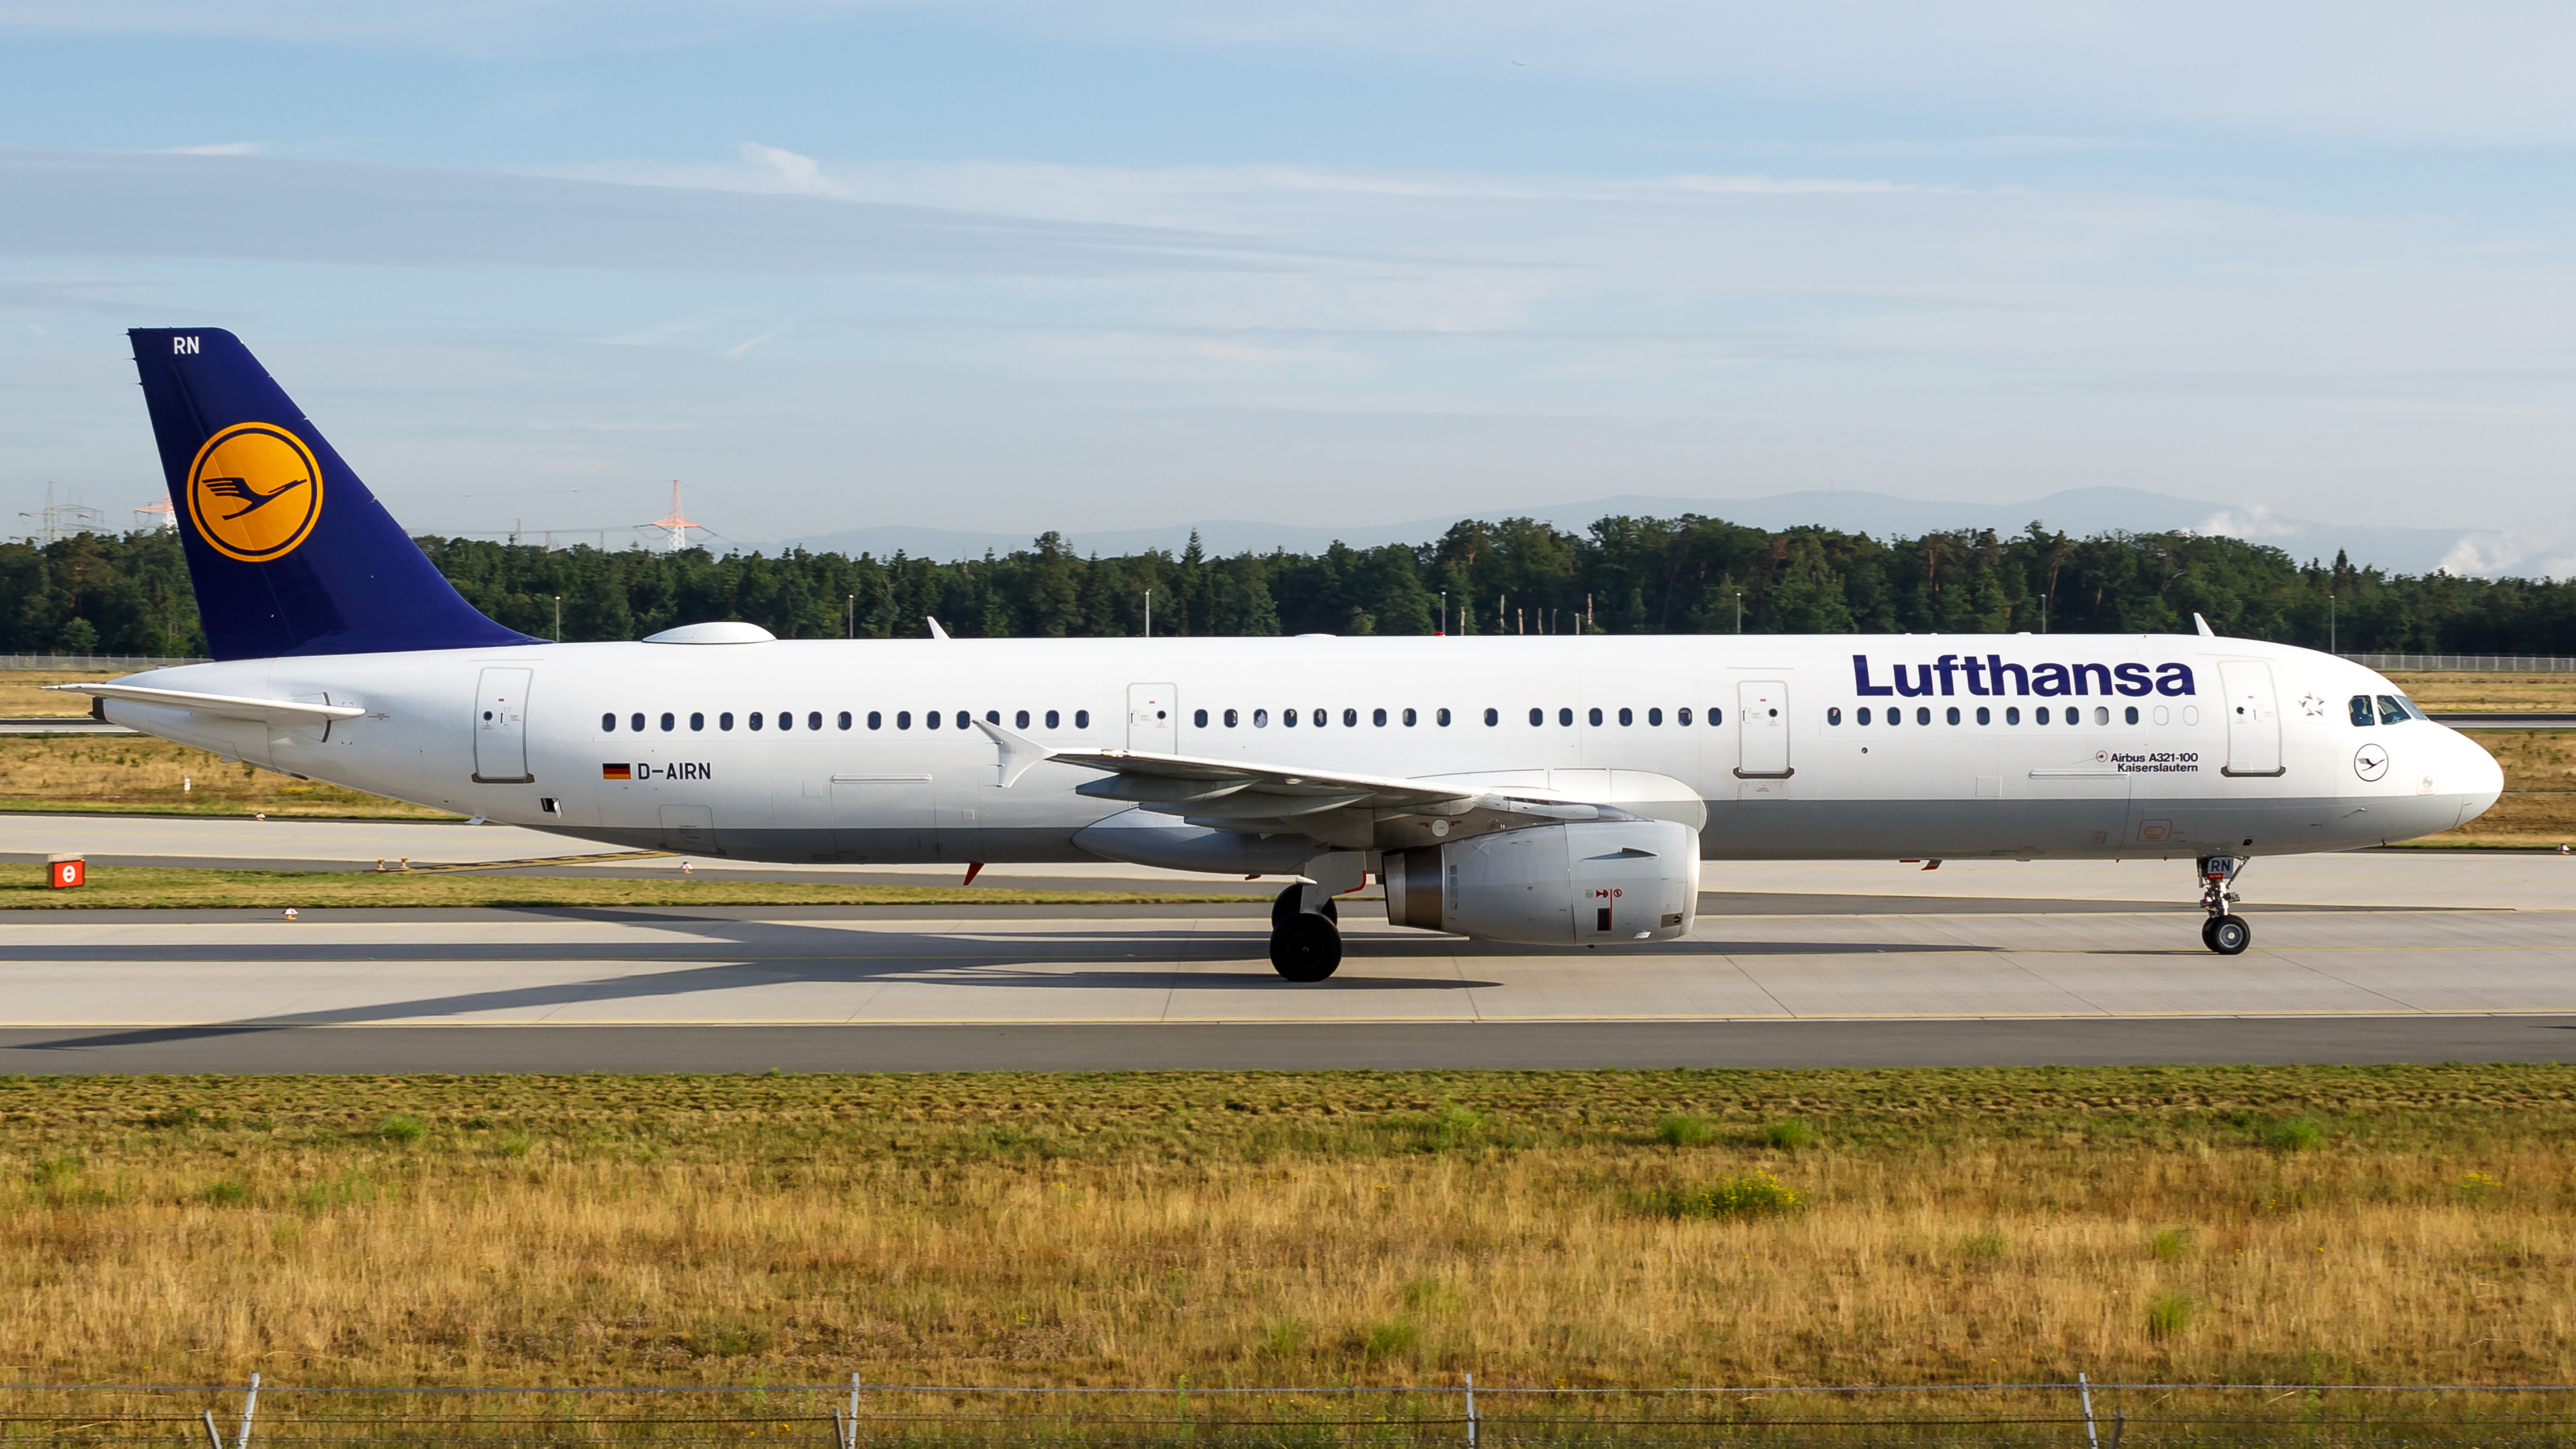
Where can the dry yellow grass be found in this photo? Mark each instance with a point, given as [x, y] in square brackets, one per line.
[23, 887]
[23, 694]
[2472, 693]
[2539, 806]
[139, 774]
[2384, 1224]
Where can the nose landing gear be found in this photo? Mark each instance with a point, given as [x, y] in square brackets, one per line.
[1304, 945]
[2225, 932]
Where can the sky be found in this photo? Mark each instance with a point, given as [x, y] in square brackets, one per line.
[1094, 265]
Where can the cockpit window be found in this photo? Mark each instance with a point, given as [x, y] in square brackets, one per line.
[2390, 711]
[2361, 710]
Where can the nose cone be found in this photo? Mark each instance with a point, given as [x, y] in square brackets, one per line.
[2481, 779]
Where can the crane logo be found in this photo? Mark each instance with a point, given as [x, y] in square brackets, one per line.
[254, 492]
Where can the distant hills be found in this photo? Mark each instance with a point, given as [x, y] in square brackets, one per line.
[2078, 511]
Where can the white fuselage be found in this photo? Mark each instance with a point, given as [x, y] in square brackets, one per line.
[2249, 749]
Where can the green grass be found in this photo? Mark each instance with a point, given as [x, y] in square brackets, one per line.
[23, 887]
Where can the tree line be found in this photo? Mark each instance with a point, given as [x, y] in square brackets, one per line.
[129, 594]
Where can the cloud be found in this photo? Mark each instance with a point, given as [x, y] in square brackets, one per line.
[220, 148]
[2255, 522]
[95, 204]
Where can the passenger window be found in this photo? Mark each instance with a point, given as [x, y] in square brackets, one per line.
[1627, 716]
[1538, 716]
[635, 722]
[1954, 714]
[1082, 719]
[2041, 714]
[2133, 714]
[1199, 718]
[786, 721]
[1987, 716]
[876, 719]
[1493, 717]
[1378, 717]
[814, 720]
[962, 718]
[1682, 716]
[1020, 721]
[1654, 716]
[845, 719]
[930, 720]
[1261, 719]
[2361, 710]
[1232, 719]
[1051, 719]
[903, 719]
[992, 716]
[1716, 716]
[1861, 716]
[1565, 717]
[756, 719]
[1834, 715]
[669, 722]
[2101, 714]
[2012, 714]
[1321, 718]
[1288, 717]
[1351, 718]
[2390, 711]
[697, 721]
[1923, 714]
[1411, 719]
[608, 723]
[1895, 715]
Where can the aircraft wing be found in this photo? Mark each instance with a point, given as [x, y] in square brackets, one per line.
[227, 706]
[1346, 811]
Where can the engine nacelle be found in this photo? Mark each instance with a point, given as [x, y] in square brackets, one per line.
[1588, 883]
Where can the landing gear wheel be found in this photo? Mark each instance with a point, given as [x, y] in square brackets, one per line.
[1306, 947]
[1288, 902]
[2227, 935]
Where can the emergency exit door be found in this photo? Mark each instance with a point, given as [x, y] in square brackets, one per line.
[1762, 729]
[1154, 718]
[501, 727]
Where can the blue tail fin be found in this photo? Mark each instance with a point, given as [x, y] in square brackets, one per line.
[289, 551]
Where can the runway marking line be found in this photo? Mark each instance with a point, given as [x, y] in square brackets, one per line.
[661, 1022]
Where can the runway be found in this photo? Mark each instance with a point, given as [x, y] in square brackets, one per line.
[1849, 980]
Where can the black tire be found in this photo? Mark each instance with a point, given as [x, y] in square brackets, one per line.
[1306, 948]
[1286, 906]
[2207, 925]
[2230, 935]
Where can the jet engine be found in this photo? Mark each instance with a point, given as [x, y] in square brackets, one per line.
[1590, 883]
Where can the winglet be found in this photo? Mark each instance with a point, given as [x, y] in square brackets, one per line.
[1018, 752]
[935, 631]
[2202, 625]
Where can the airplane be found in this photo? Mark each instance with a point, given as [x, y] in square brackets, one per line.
[1560, 790]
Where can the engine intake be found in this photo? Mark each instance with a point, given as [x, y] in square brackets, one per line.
[1592, 883]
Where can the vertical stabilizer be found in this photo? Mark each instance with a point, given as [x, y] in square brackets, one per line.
[289, 552]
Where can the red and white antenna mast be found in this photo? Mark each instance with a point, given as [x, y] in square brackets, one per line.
[678, 527]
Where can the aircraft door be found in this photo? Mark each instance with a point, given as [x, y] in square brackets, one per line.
[1154, 718]
[501, 727]
[1762, 729]
[2253, 719]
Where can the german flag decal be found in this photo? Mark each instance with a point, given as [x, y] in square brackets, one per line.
[617, 772]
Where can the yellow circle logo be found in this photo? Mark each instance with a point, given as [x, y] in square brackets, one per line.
[254, 492]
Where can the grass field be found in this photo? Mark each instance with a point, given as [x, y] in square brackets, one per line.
[22, 887]
[2293, 1224]
[2475, 693]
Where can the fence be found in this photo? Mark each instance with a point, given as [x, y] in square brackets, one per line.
[1460, 1415]
[122, 663]
[2468, 663]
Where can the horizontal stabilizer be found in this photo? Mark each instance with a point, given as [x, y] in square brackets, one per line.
[226, 706]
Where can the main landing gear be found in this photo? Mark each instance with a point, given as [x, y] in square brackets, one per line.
[1304, 945]
[2225, 932]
